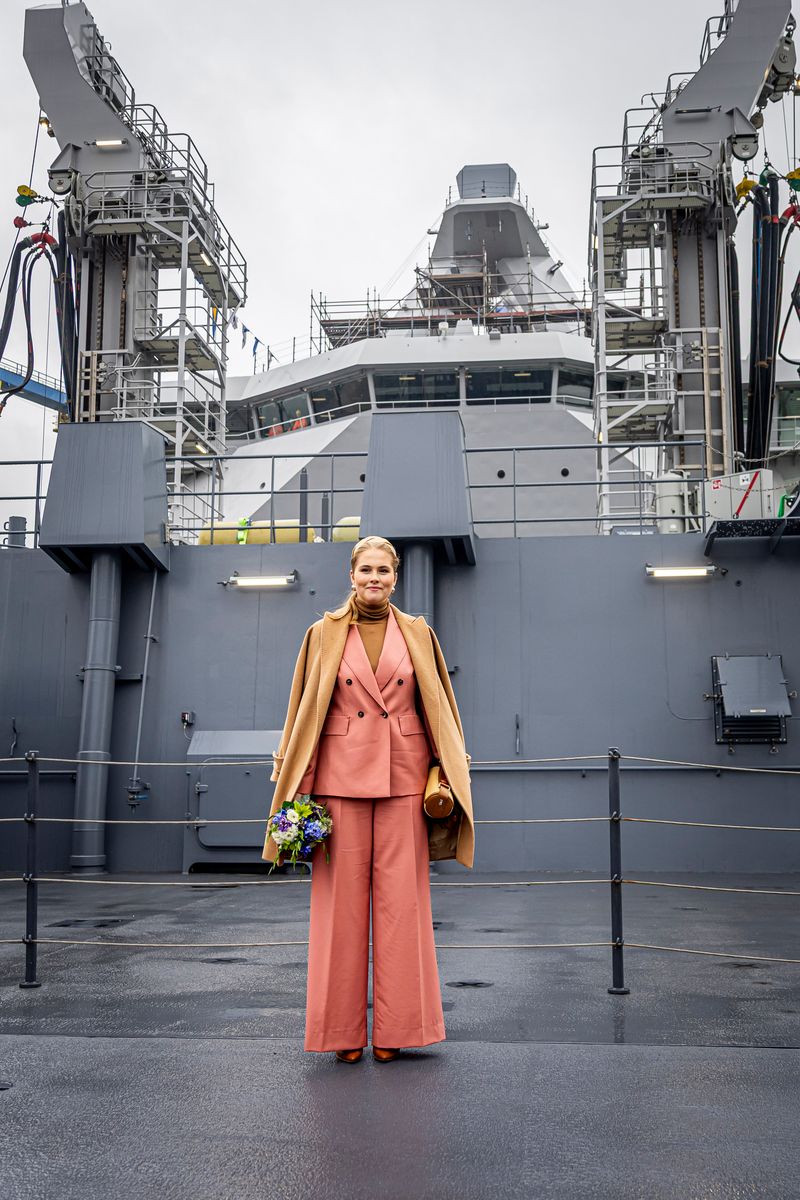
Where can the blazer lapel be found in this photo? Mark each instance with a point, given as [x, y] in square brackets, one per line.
[334, 637]
[416, 634]
[356, 658]
[393, 652]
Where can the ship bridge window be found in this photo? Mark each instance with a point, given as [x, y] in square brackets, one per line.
[343, 399]
[787, 432]
[416, 388]
[575, 387]
[518, 384]
[282, 416]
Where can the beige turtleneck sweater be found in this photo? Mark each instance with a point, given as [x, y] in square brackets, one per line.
[371, 622]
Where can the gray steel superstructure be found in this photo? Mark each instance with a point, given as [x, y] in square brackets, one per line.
[532, 451]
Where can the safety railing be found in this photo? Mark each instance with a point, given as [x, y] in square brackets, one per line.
[215, 520]
[615, 880]
[515, 303]
[632, 480]
[162, 202]
[635, 473]
[22, 507]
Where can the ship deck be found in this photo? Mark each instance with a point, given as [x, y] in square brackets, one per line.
[181, 1072]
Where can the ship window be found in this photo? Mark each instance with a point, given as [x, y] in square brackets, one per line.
[282, 416]
[788, 423]
[416, 388]
[518, 384]
[343, 399]
[575, 387]
[238, 420]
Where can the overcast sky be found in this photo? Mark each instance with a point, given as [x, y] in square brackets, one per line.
[333, 130]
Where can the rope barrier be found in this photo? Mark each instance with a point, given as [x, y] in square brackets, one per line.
[262, 820]
[243, 945]
[710, 953]
[677, 762]
[306, 879]
[713, 824]
[700, 887]
[476, 762]
[269, 762]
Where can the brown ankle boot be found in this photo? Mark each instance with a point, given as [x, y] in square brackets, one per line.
[349, 1056]
[381, 1054]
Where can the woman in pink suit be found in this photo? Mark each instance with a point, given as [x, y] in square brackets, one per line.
[371, 708]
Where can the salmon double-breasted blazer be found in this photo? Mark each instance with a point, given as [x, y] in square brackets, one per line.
[403, 725]
[373, 743]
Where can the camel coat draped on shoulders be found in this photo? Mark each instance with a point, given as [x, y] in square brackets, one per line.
[312, 687]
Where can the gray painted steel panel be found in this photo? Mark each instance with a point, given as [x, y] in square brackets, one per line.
[588, 653]
[753, 684]
[108, 488]
[416, 485]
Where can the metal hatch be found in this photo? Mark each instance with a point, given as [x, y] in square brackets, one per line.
[751, 701]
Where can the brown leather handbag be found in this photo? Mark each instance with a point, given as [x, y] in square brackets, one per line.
[438, 798]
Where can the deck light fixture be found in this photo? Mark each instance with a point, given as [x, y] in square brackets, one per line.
[206, 260]
[704, 572]
[109, 143]
[262, 581]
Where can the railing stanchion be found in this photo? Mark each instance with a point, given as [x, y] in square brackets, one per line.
[617, 941]
[303, 505]
[31, 897]
[325, 516]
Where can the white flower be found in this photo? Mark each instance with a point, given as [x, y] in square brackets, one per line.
[292, 815]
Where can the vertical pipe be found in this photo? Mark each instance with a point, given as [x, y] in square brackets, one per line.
[148, 640]
[736, 348]
[97, 709]
[37, 516]
[755, 307]
[418, 590]
[617, 963]
[31, 886]
[325, 517]
[303, 531]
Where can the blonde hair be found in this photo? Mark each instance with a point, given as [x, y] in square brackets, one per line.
[374, 543]
[371, 543]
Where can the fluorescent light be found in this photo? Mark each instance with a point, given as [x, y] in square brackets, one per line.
[522, 374]
[406, 378]
[203, 449]
[263, 581]
[681, 572]
[205, 258]
[110, 143]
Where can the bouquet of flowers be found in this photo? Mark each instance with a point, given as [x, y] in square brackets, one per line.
[298, 826]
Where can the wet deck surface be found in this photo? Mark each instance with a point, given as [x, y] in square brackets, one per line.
[181, 1073]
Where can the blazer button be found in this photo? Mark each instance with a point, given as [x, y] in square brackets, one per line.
[399, 681]
[384, 714]
[361, 714]
[348, 682]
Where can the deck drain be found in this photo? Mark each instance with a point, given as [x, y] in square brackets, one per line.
[476, 983]
[224, 960]
[4, 1086]
[90, 923]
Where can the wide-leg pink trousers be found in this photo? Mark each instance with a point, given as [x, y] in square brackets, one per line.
[378, 846]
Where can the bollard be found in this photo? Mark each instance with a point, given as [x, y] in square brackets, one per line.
[31, 896]
[617, 963]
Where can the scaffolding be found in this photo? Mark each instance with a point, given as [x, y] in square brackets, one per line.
[655, 378]
[182, 276]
